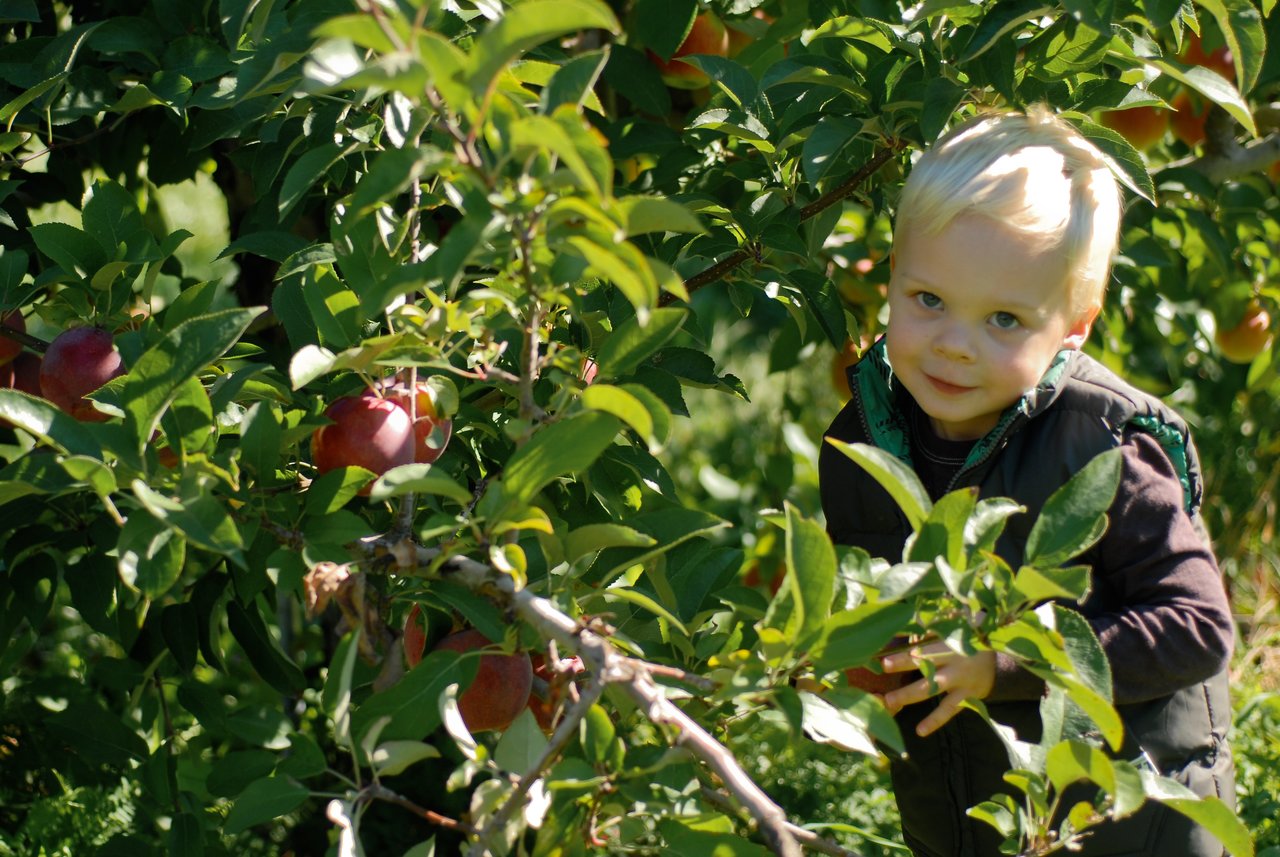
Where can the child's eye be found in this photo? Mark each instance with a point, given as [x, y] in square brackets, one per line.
[929, 300]
[1005, 320]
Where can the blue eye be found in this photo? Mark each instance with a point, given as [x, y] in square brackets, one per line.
[929, 300]
[1005, 320]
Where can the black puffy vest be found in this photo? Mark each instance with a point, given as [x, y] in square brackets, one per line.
[1079, 410]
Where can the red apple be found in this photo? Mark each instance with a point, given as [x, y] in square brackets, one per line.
[414, 639]
[877, 683]
[431, 432]
[11, 348]
[367, 432]
[707, 36]
[1142, 126]
[543, 706]
[1249, 338]
[500, 690]
[22, 373]
[1219, 60]
[77, 362]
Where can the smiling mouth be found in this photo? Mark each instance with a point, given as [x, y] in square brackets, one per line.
[946, 386]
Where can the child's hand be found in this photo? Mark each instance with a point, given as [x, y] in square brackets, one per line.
[959, 677]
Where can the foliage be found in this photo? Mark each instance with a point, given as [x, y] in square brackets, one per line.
[504, 201]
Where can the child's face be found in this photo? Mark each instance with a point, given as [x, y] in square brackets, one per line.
[976, 315]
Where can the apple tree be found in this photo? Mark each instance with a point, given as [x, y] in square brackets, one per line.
[385, 539]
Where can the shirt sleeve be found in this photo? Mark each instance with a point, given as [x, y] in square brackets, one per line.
[1157, 602]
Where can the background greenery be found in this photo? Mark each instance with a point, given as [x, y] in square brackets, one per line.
[282, 137]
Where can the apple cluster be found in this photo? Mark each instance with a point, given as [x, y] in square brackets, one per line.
[381, 430]
[1146, 125]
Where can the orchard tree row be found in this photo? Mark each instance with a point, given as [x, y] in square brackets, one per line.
[381, 543]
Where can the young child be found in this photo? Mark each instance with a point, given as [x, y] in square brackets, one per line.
[1002, 249]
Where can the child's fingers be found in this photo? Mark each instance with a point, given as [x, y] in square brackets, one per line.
[917, 691]
[947, 708]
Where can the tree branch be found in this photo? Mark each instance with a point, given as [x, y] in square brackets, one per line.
[1224, 158]
[610, 666]
[822, 203]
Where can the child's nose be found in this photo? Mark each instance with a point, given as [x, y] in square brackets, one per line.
[954, 342]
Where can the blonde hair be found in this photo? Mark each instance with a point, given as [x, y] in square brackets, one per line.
[1032, 172]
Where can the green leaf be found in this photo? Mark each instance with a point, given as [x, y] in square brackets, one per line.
[1000, 20]
[111, 217]
[1212, 86]
[632, 341]
[199, 516]
[869, 711]
[160, 373]
[330, 491]
[528, 25]
[305, 172]
[639, 599]
[49, 424]
[827, 724]
[1245, 35]
[592, 538]
[71, 249]
[942, 533]
[596, 734]
[274, 666]
[1071, 761]
[642, 214]
[573, 82]
[1211, 813]
[151, 555]
[894, 476]
[263, 800]
[260, 440]
[563, 448]
[624, 406]
[1074, 517]
[804, 601]
[1125, 161]
[10, 110]
[852, 637]
[418, 479]
[395, 757]
[668, 528]
[336, 694]
[684, 840]
[1036, 585]
[625, 267]
[411, 703]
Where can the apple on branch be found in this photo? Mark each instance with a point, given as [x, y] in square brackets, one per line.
[500, 690]
[77, 362]
[367, 432]
[1249, 338]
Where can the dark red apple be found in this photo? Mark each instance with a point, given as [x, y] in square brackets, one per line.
[77, 362]
[707, 36]
[367, 432]
[501, 687]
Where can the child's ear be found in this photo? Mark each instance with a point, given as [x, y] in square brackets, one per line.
[1079, 330]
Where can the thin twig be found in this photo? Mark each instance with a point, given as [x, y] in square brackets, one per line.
[698, 681]
[380, 792]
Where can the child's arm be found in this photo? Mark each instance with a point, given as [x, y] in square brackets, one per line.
[1158, 605]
